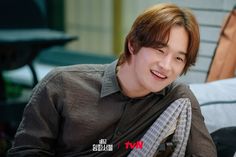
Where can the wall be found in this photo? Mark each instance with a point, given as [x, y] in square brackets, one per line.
[91, 20]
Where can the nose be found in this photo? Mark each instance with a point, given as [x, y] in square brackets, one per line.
[166, 63]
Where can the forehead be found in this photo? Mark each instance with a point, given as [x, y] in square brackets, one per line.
[178, 40]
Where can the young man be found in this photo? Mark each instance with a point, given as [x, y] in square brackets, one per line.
[131, 107]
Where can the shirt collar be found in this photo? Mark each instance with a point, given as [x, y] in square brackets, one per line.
[163, 92]
[109, 81]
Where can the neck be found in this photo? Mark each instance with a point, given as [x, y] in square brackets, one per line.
[128, 82]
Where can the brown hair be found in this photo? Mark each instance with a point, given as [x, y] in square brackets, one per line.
[152, 29]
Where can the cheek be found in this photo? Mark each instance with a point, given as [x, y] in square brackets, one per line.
[141, 61]
[144, 61]
[142, 68]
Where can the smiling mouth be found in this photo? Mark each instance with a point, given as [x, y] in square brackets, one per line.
[158, 75]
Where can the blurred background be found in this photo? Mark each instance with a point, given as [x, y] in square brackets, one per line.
[38, 35]
[102, 26]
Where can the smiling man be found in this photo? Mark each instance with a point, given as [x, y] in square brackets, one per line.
[131, 107]
[151, 69]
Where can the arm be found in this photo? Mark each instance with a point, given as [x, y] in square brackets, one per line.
[38, 129]
[200, 143]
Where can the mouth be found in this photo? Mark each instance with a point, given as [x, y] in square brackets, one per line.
[158, 75]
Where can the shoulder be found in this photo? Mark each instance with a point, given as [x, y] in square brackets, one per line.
[71, 74]
[80, 70]
[182, 90]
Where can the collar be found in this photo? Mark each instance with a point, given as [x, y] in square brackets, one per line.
[163, 92]
[109, 81]
[166, 90]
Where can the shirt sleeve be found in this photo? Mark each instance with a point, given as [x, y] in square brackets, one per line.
[200, 143]
[38, 130]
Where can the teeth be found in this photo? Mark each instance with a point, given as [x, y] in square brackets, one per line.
[159, 75]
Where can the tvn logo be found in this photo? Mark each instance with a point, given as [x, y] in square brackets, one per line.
[134, 145]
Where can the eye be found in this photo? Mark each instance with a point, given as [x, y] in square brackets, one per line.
[180, 59]
[161, 51]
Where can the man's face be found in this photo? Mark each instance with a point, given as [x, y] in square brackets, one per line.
[154, 69]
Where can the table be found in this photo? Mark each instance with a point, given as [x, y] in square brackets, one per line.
[19, 47]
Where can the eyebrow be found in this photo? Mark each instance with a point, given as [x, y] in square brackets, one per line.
[182, 53]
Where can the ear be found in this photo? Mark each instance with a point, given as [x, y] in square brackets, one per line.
[131, 49]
